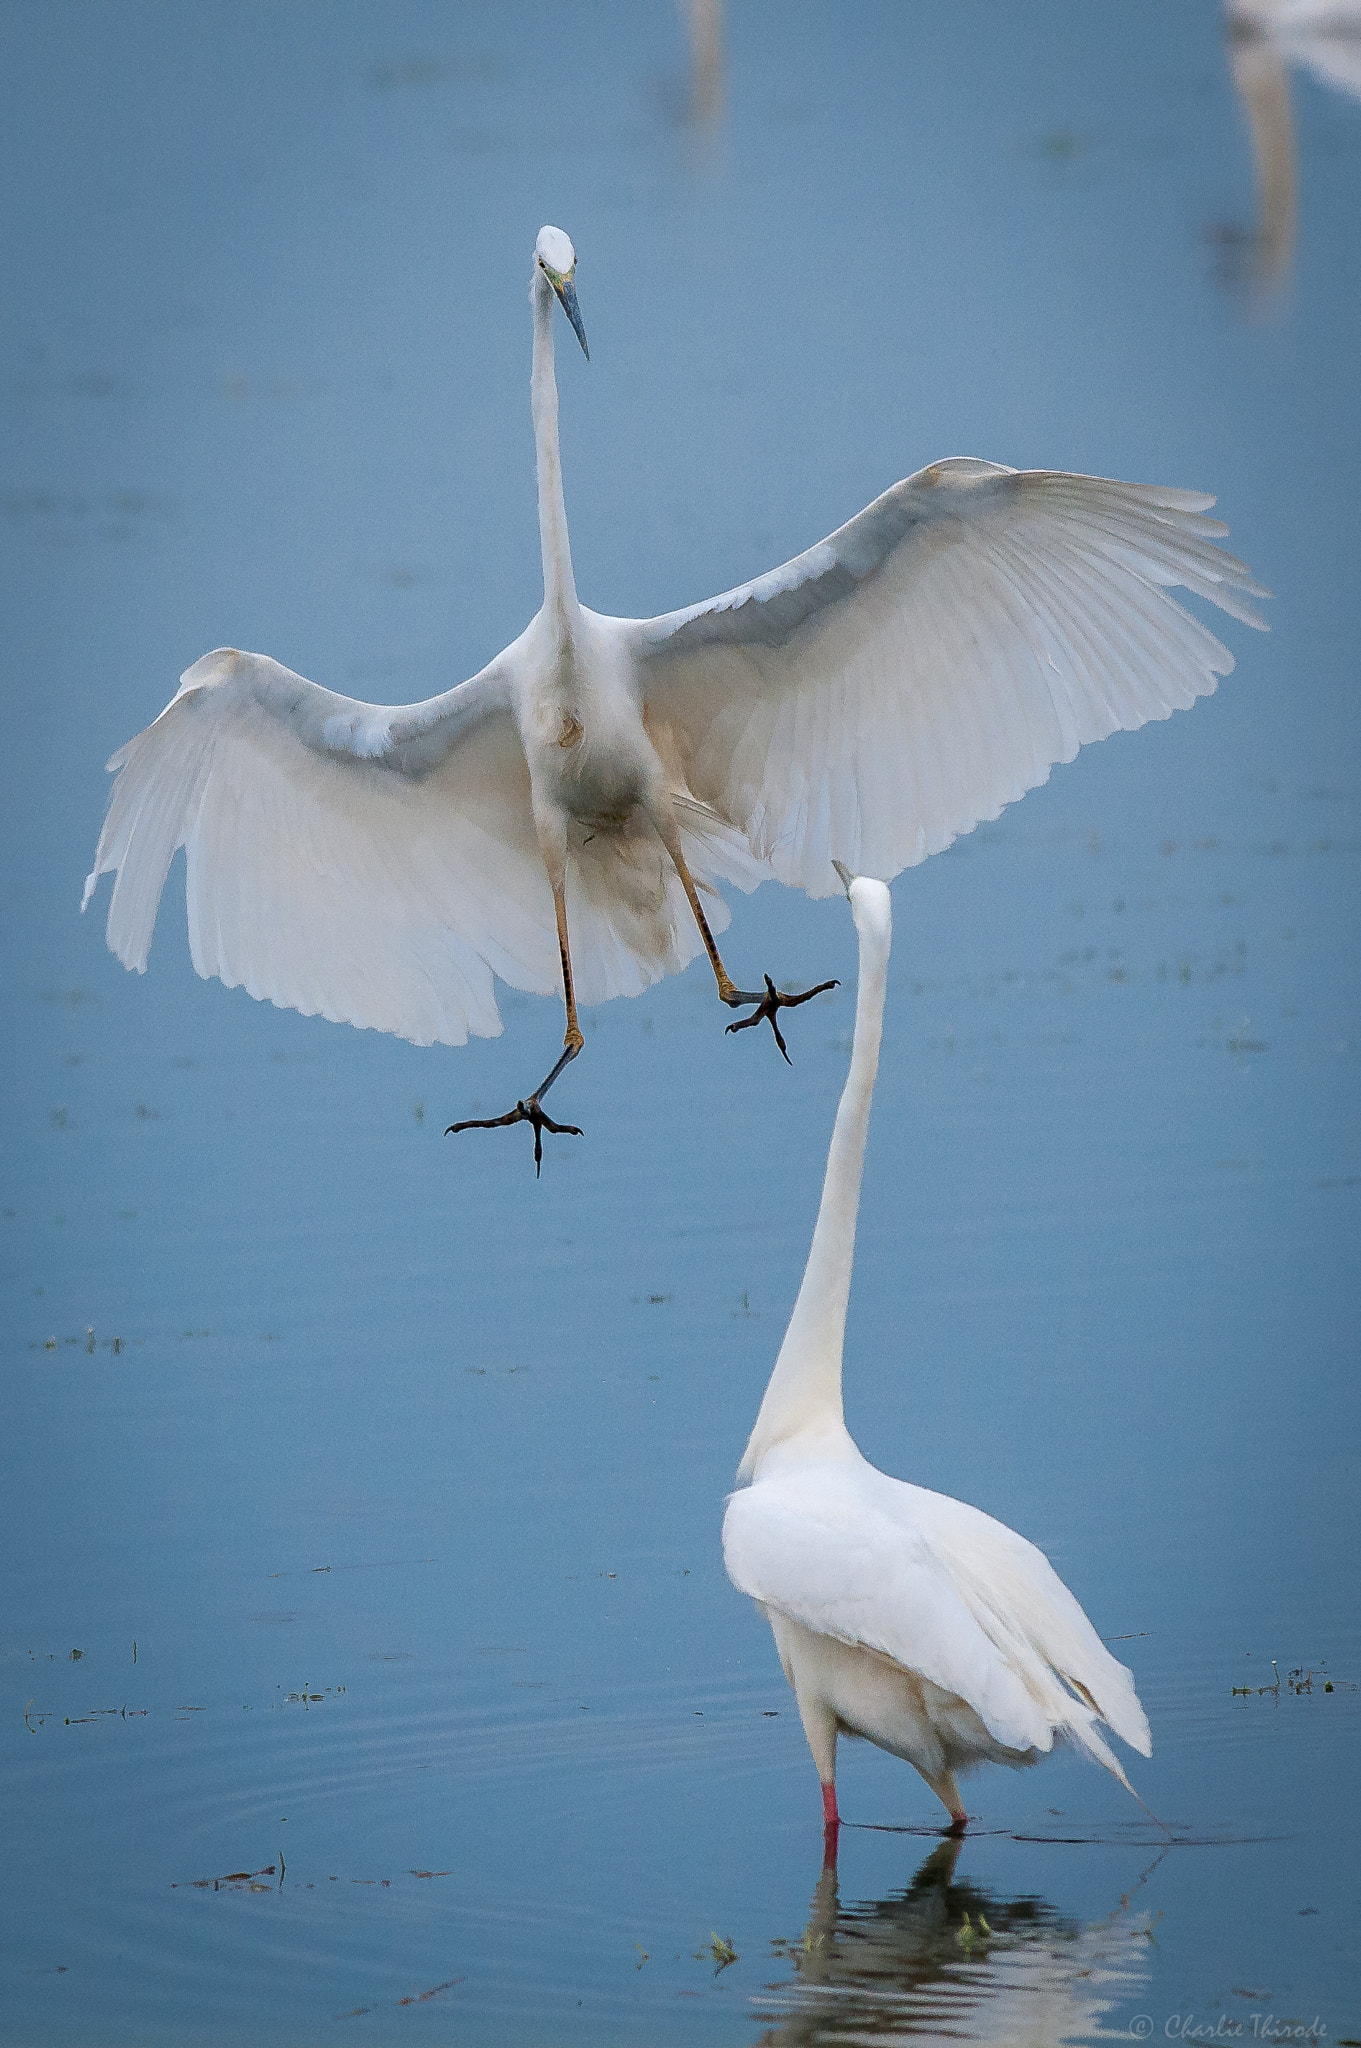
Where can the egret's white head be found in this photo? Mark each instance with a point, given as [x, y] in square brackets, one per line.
[557, 259]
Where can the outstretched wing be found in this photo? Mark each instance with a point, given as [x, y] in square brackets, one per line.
[931, 660]
[375, 864]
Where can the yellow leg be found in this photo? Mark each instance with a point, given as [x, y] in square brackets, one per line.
[670, 838]
[573, 1039]
[773, 1000]
[529, 1111]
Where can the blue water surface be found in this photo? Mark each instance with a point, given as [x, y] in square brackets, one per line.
[368, 1670]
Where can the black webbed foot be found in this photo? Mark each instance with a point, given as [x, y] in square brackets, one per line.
[767, 1005]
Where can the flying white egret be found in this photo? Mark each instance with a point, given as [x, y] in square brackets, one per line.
[876, 696]
[899, 1615]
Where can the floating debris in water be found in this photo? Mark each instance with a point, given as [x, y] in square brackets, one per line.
[722, 1952]
[239, 1880]
[88, 1342]
[412, 1998]
[968, 1936]
[1298, 1681]
[307, 1699]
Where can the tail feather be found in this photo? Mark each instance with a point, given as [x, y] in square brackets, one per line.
[1080, 1725]
[627, 912]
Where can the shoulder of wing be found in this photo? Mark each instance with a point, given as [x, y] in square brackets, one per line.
[408, 737]
[771, 1529]
[770, 608]
[954, 498]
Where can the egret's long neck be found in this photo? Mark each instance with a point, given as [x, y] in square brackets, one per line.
[805, 1388]
[559, 586]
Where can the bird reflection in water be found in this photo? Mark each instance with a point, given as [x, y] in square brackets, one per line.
[705, 102]
[947, 1957]
[1264, 39]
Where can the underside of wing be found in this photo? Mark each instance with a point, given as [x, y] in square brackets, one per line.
[376, 866]
[931, 660]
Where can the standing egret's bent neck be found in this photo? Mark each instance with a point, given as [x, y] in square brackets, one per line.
[805, 1387]
[559, 586]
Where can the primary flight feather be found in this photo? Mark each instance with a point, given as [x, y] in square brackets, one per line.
[556, 820]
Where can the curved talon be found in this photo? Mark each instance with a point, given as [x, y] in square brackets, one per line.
[523, 1113]
[768, 1004]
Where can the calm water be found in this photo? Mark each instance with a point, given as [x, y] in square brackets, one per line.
[369, 1671]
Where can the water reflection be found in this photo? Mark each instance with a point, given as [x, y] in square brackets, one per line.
[704, 21]
[1265, 37]
[948, 1956]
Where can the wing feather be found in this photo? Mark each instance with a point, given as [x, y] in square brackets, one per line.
[853, 1576]
[931, 660]
[379, 865]
[371, 864]
[940, 1588]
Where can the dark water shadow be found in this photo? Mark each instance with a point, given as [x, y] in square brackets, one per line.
[1132, 1835]
[947, 1957]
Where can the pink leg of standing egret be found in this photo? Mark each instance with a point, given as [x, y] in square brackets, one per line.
[831, 1826]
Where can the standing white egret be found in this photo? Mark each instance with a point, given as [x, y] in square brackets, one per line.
[900, 1615]
[876, 696]
[1265, 39]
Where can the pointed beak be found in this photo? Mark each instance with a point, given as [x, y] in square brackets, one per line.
[567, 296]
[846, 876]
